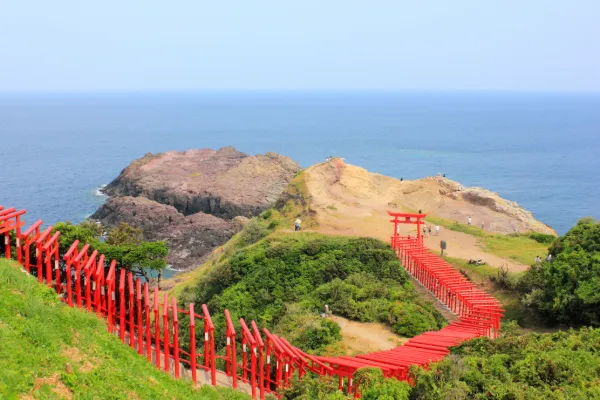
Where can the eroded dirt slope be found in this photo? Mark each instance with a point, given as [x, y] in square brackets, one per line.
[349, 200]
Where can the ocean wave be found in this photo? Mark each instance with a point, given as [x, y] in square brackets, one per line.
[98, 190]
[170, 268]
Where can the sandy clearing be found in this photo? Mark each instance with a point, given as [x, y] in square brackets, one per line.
[366, 337]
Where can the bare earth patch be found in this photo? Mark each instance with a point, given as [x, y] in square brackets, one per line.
[86, 364]
[366, 337]
[55, 383]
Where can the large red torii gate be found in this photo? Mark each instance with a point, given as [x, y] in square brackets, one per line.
[408, 218]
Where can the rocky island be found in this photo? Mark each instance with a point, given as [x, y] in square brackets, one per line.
[194, 200]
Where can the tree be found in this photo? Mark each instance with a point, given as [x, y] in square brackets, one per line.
[567, 289]
[86, 232]
[123, 244]
[125, 234]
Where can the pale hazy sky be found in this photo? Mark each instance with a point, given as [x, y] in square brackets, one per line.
[88, 45]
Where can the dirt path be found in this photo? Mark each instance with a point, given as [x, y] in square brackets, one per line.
[366, 337]
[461, 245]
[357, 205]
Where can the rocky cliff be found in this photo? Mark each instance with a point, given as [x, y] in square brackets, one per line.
[190, 199]
[348, 193]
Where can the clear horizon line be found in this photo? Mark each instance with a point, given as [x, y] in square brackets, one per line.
[295, 90]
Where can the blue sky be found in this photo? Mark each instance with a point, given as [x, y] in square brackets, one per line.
[129, 45]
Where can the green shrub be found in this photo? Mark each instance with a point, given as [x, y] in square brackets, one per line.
[411, 319]
[266, 214]
[313, 388]
[358, 278]
[562, 365]
[542, 237]
[255, 230]
[567, 289]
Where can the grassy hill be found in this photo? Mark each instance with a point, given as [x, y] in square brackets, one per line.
[50, 351]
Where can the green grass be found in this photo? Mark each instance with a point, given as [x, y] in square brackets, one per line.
[518, 247]
[456, 226]
[486, 277]
[480, 272]
[39, 336]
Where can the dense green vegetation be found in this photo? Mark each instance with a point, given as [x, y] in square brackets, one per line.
[567, 289]
[50, 351]
[517, 366]
[285, 280]
[373, 386]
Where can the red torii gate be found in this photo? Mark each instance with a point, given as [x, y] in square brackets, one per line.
[10, 220]
[407, 218]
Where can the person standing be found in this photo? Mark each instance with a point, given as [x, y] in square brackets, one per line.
[297, 224]
[437, 230]
[429, 230]
[424, 231]
[549, 257]
[469, 221]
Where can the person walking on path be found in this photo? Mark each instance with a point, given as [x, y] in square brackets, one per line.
[424, 231]
[437, 230]
[469, 221]
[297, 224]
[429, 230]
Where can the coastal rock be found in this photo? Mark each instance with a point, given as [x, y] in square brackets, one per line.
[194, 200]
[189, 238]
[225, 183]
[496, 213]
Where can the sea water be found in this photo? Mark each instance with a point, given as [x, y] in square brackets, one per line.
[539, 149]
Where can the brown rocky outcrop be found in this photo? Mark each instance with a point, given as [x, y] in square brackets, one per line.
[189, 237]
[195, 200]
[224, 183]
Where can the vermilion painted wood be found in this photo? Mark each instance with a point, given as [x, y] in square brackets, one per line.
[193, 343]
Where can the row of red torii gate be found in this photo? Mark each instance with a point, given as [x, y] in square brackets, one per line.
[255, 361]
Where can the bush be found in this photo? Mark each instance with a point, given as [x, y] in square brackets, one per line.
[312, 388]
[516, 366]
[254, 231]
[411, 319]
[542, 237]
[567, 289]
[306, 329]
[284, 282]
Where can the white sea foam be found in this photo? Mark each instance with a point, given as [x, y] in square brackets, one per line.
[170, 268]
[98, 191]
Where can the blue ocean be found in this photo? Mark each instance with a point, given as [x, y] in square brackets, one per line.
[539, 149]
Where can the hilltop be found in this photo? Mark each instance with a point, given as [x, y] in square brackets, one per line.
[348, 200]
